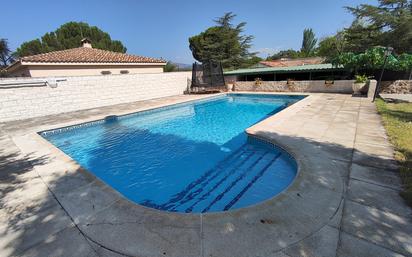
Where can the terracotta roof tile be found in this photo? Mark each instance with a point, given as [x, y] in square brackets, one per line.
[88, 55]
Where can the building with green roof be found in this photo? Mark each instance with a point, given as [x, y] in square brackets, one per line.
[301, 72]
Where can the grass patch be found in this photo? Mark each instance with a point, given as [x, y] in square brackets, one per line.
[397, 119]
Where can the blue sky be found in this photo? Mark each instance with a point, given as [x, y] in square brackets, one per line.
[161, 28]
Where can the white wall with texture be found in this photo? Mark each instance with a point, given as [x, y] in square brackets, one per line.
[21, 101]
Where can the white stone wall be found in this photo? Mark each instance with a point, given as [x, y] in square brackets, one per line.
[76, 93]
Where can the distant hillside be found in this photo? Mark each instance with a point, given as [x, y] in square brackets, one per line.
[183, 66]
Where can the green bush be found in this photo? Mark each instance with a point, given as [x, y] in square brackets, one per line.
[373, 59]
[361, 78]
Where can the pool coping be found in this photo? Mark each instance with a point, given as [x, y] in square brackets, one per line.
[189, 230]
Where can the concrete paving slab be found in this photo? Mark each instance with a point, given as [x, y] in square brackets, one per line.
[103, 252]
[147, 238]
[387, 178]
[222, 236]
[66, 243]
[16, 167]
[397, 97]
[321, 244]
[335, 151]
[86, 201]
[22, 200]
[351, 246]
[369, 130]
[313, 131]
[372, 140]
[20, 235]
[335, 221]
[375, 161]
[139, 231]
[11, 215]
[382, 198]
[340, 134]
[66, 181]
[375, 150]
[385, 229]
[279, 228]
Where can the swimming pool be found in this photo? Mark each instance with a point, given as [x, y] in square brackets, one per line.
[192, 157]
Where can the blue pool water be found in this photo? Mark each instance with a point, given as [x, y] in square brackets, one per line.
[192, 157]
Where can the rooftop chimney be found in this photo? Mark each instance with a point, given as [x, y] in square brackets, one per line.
[86, 43]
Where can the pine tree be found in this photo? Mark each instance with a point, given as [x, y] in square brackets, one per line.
[308, 43]
[388, 24]
[223, 43]
[69, 36]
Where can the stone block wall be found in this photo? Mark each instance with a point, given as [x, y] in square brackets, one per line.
[313, 86]
[396, 87]
[22, 101]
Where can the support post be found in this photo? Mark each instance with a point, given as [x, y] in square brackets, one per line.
[388, 51]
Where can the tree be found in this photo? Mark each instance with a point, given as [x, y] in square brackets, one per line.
[69, 36]
[169, 67]
[290, 53]
[251, 61]
[388, 24]
[30, 48]
[308, 48]
[6, 56]
[223, 43]
[332, 46]
[308, 42]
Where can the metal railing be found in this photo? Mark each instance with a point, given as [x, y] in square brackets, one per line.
[18, 83]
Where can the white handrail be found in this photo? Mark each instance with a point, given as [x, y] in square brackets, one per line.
[29, 83]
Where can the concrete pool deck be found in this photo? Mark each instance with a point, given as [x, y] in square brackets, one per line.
[344, 202]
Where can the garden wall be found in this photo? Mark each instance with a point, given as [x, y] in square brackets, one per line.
[31, 97]
[397, 87]
[314, 86]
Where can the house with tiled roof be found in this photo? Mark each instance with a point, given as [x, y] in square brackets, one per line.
[83, 61]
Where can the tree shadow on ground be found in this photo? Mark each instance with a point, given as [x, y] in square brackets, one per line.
[400, 115]
[33, 222]
[29, 213]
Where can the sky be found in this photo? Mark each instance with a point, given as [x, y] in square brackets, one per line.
[161, 28]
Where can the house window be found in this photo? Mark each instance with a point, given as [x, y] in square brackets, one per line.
[124, 72]
[106, 72]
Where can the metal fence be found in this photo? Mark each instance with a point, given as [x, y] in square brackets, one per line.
[207, 75]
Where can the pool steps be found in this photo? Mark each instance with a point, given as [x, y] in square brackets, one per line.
[215, 189]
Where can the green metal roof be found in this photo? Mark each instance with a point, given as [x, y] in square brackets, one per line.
[301, 68]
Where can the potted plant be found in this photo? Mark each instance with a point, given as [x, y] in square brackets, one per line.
[230, 85]
[329, 82]
[359, 84]
[258, 81]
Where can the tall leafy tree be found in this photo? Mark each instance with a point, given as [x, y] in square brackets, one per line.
[308, 42]
[308, 48]
[169, 67]
[223, 43]
[332, 46]
[290, 53]
[5, 53]
[387, 24]
[69, 36]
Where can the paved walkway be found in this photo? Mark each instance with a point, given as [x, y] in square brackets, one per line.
[344, 202]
